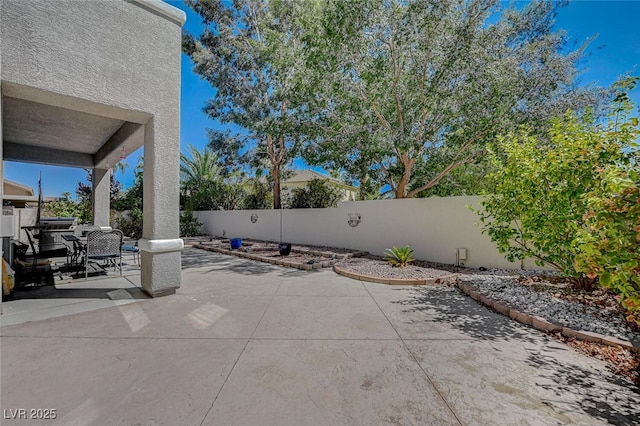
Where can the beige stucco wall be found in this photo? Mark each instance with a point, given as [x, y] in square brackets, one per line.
[433, 227]
[114, 53]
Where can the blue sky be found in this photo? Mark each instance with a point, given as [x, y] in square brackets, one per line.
[615, 52]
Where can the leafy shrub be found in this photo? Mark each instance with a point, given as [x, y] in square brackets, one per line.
[317, 194]
[130, 223]
[189, 225]
[399, 256]
[64, 207]
[609, 245]
[537, 205]
[572, 203]
[259, 195]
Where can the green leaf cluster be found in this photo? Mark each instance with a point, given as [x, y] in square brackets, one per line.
[408, 93]
[609, 243]
[189, 225]
[399, 256]
[317, 194]
[565, 201]
[65, 207]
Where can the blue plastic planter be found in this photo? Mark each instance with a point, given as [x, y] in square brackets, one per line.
[236, 243]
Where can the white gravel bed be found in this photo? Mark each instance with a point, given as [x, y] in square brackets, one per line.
[574, 315]
[381, 269]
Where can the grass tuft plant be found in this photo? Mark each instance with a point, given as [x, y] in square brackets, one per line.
[399, 256]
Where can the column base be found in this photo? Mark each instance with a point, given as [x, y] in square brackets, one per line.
[166, 292]
[161, 262]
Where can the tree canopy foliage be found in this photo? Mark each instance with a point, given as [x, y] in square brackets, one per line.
[407, 92]
[318, 193]
[251, 51]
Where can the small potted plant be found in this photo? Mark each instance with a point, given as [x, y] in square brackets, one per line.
[285, 249]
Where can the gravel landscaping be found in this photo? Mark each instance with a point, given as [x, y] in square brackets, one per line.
[603, 319]
[375, 267]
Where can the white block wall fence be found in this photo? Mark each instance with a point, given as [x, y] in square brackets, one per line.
[434, 227]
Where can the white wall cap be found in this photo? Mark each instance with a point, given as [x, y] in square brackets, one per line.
[160, 246]
[163, 9]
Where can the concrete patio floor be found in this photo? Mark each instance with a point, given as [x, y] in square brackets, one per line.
[248, 343]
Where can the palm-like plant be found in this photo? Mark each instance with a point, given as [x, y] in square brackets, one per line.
[200, 175]
[399, 256]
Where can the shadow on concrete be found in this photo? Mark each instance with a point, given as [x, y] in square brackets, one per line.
[603, 396]
[250, 267]
[51, 292]
[217, 262]
[297, 273]
[599, 394]
[446, 305]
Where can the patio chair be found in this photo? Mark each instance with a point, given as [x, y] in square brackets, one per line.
[42, 254]
[103, 246]
[134, 250]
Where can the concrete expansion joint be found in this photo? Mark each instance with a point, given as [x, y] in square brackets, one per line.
[540, 323]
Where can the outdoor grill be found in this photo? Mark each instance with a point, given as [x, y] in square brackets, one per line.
[51, 229]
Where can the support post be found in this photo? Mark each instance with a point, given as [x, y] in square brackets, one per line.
[160, 245]
[101, 196]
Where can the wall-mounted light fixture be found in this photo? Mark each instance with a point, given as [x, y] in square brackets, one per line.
[354, 219]
[254, 217]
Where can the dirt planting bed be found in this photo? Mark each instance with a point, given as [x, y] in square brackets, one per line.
[301, 257]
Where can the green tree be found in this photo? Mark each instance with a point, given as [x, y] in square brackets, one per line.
[129, 204]
[63, 207]
[84, 193]
[251, 52]
[258, 196]
[233, 192]
[407, 92]
[317, 194]
[202, 186]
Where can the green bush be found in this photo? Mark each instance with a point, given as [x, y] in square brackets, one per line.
[536, 203]
[189, 225]
[130, 223]
[399, 256]
[609, 244]
[565, 201]
[317, 194]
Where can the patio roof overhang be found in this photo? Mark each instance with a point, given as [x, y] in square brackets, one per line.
[47, 128]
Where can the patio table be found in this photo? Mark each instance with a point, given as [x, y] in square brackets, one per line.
[79, 248]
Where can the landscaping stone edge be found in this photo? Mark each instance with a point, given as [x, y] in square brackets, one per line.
[540, 323]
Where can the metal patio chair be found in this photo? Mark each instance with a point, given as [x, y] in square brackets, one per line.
[43, 252]
[103, 246]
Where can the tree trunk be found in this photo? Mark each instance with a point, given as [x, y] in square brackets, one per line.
[276, 186]
[401, 190]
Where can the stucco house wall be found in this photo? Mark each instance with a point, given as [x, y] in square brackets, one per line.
[107, 68]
